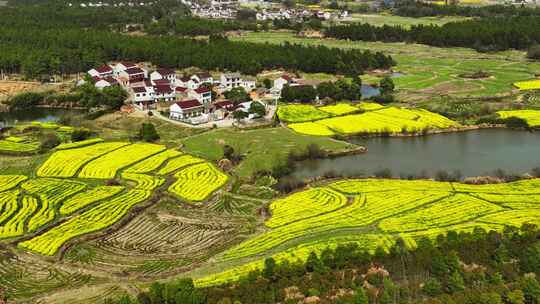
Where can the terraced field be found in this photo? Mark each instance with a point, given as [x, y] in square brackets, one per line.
[429, 72]
[42, 205]
[375, 121]
[376, 212]
[197, 182]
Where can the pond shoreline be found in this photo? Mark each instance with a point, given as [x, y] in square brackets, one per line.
[469, 152]
[427, 132]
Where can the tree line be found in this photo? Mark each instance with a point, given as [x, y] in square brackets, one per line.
[475, 267]
[486, 34]
[34, 45]
[412, 8]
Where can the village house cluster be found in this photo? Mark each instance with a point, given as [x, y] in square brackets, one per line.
[228, 9]
[186, 98]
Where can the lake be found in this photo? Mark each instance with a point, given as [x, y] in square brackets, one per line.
[35, 114]
[474, 153]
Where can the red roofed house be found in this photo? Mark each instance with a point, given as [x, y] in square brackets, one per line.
[143, 97]
[186, 109]
[203, 77]
[103, 71]
[181, 92]
[163, 93]
[106, 82]
[223, 104]
[190, 83]
[132, 75]
[222, 109]
[203, 95]
[122, 66]
[281, 82]
[166, 74]
[161, 82]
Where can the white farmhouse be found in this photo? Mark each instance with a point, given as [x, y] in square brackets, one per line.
[186, 109]
[203, 95]
[106, 82]
[101, 72]
[163, 93]
[203, 77]
[281, 82]
[143, 97]
[163, 74]
[230, 81]
[132, 75]
[122, 66]
[189, 82]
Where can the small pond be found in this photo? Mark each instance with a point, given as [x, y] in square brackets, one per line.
[369, 91]
[473, 153]
[35, 114]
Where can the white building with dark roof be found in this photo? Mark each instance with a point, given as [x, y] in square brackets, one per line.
[101, 72]
[203, 95]
[143, 97]
[230, 81]
[167, 74]
[186, 110]
[106, 82]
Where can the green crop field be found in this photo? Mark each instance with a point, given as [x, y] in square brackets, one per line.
[262, 148]
[407, 22]
[379, 120]
[428, 72]
[374, 213]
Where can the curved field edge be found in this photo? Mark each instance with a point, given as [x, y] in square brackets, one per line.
[87, 207]
[487, 210]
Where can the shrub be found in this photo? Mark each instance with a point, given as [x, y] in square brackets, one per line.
[384, 98]
[289, 184]
[534, 52]
[49, 141]
[516, 123]
[148, 132]
[26, 100]
[80, 135]
[383, 173]
[536, 172]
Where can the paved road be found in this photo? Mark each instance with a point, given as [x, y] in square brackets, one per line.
[225, 123]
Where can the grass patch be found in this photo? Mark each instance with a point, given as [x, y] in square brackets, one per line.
[262, 148]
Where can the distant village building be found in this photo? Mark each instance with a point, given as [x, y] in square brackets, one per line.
[106, 82]
[166, 74]
[143, 97]
[132, 75]
[203, 95]
[163, 93]
[230, 81]
[122, 66]
[103, 71]
[204, 77]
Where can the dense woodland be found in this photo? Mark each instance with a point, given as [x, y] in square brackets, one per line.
[485, 34]
[36, 41]
[476, 267]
